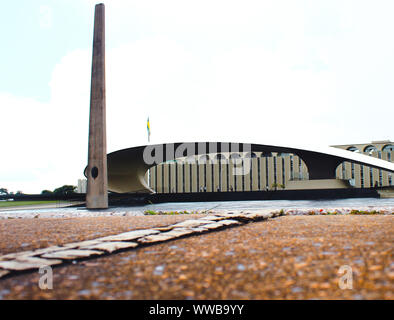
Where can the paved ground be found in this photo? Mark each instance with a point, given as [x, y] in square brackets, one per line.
[290, 257]
[27, 234]
[41, 206]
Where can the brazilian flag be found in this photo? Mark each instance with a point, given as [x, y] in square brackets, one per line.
[148, 128]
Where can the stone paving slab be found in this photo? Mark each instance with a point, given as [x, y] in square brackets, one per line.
[82, 244]
[12, 256]
[189, 223]
[157, 238]
[3, 273]
[27, 263]
[72, 254]
[111, 246]
[132, 235]
[199, 229]
[164, 236]
[46, 250]
[229, 222]
[213, 218]
[214, 225]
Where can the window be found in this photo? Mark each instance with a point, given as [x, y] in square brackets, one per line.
[258, 173]
[370, 149]
[169, 177]
[388, 147]
[300, 168]
[352, 170]
[183, 177]
[243, 176]
[380, 178]
[156, 178]
[266, 172]
[275, 181]
[250, 155]
[198, 177]
[353, 149]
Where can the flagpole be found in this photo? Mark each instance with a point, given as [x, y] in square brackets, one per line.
[148, 129]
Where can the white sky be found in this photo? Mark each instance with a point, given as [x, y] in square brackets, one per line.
[274, 72]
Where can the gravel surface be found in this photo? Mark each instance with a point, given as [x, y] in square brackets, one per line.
[289, 257]
[27, 234]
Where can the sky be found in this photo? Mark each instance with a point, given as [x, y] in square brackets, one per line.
[310, 72]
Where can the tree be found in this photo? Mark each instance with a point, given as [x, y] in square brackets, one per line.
[46, 192]
[19, 192]
[66, 189]
[3, 191]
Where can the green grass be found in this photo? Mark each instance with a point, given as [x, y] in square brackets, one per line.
[6, 204]
[152, 212]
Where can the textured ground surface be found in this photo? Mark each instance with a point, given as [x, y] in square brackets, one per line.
[27, 234]
[290, 257]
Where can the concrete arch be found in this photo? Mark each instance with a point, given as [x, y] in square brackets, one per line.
[388, 147]
[203, 159]
[127, 167]
[370, 148]
[251, 155]
[220, 157]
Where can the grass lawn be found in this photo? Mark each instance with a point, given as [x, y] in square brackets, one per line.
[6, 204]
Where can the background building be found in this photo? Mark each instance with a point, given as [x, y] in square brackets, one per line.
[214, 172]
[363, 176]
[82, 185]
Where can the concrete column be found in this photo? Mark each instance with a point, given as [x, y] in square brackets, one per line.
[159, 180]
[97, 193]
[166, 180]
[179, 167]
[216, 182]
[255, 174]
[247, 177]
[193, 182]
[209, 176]
[153, 178]
[201, 176]
[223, 168]
[187, 177]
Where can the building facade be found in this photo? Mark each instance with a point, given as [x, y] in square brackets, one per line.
[363, 176]
[261, 171]
[82, 185]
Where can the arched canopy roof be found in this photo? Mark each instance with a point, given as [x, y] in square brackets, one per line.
[127, 167]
